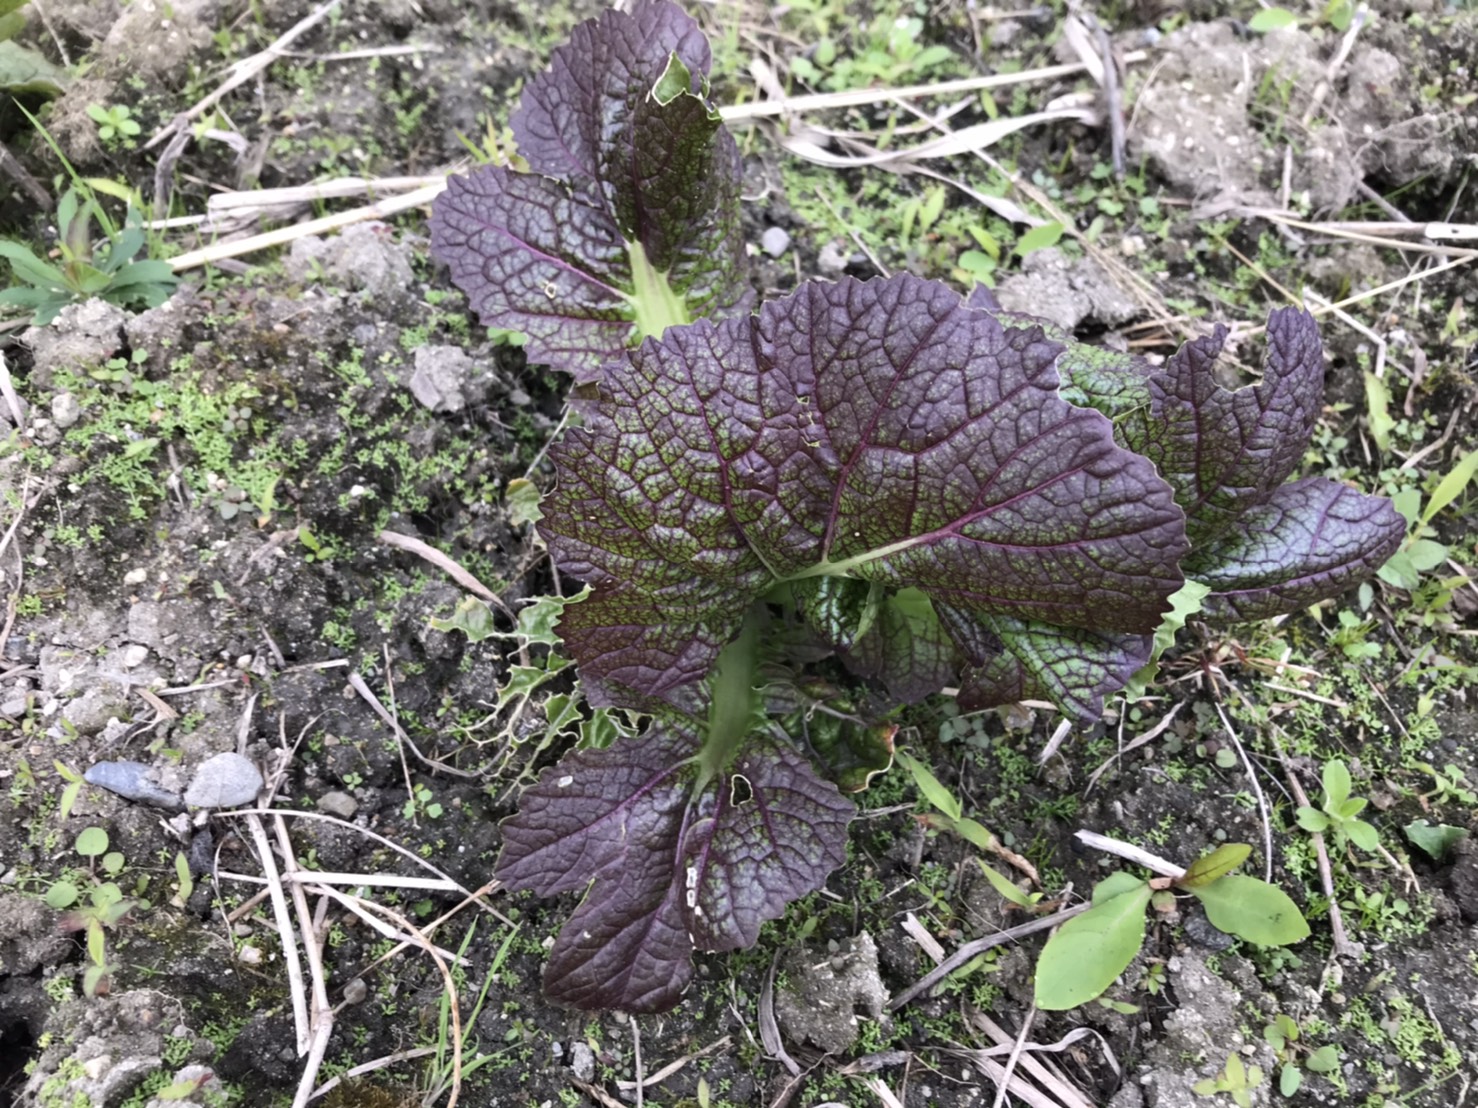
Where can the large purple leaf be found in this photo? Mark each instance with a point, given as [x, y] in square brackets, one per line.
[1226, 451]
[630, 219]
[1009, 660]
[879, 431]
[666, 868]
[1309, 540]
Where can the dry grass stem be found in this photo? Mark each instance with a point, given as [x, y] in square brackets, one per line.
[1262, 800]
[1128, 851]
[1134, 744]
[443, 562]
[356, 683]
[297, 994]
[851, 98]
[675, 1067]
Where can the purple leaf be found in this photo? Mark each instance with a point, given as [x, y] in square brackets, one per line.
[666, 869]
[879, 431]
[906, 648]
[629, 221]
[1310, 540]
[1009, 661]
[1223, 451]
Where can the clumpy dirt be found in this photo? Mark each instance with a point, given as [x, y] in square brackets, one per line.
[229, 520]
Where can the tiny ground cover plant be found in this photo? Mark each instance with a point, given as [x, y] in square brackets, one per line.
[872, 485]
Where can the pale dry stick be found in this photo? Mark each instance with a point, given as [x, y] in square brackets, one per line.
[356, 683]
[318, 190]
[368, 52]
[355, 904]
[364, 880]
[61, 47]
[409, 855]
[1291, 690]
[596, 1093]
[234, 248]
[12, 401]
[1129, 852]
[769, 1028]
[284, 929]
[1357, 21]
[1262, 800]
[1379, 369]
[429, 553]
[448, 983]
[321, 1015]
[882, 1092]
[1011, 1059]
[243, 71]
[1388, 235]
[1431, 448]
[323, 889]
[1134, 744]
[1342, 945]
[1027, 1094]
[851, 98]
[877, 262]
[636, 1060]
[674, 1067]
[1054, 744]
[370, 1067]
[976, 947]
[432, 927]
[1050, 1077]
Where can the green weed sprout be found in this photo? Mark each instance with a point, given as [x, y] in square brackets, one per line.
[1339, 811]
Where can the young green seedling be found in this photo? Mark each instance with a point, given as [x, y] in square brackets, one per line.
[1088, 952]
[1283, 1036]
[1338, 811]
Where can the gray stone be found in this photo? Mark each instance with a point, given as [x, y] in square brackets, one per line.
[90, 712]
[582, 1061]
[65, 410]
[775, 241]
[161, 623]
[365, 258]
[29, 937]
[133, 781]
[1053, 287]
[224, 782]
[441, 377]
[102, 1048]
[82, 335]
[820, 1002]
[338, 803]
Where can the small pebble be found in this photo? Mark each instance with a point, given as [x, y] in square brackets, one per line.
[135, 655]
[251, 955]
[775, 241]
[582, 1061]
[224, 781]
[338, 803]
[356, 991]
[132, 781]
[65, 410]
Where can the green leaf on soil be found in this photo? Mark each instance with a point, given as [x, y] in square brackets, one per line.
[61, 895]
[1088, 952]
[1216, 865]
[1039, 238]
[1271, 19]
[92, 841]
[472, 617]
[1378, 409]
[1289, 1079]
[1252, 910]
[1451, 486]
[1323, 1060]
[935, 793]
[1336, 784]
[1003, 885]
[1434, 840]
[522, 500]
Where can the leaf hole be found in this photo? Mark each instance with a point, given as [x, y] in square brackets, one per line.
[740, 790]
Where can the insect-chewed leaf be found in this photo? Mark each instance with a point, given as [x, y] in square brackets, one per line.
[1253, 910]
[876, 430]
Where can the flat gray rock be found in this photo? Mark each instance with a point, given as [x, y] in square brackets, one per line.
[133, 781]
[224, 781]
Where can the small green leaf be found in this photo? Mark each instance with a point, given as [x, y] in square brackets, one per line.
[1324, 1060]
[1363, 835]
[1352, 807]
[92, 841]
[1039, 238]
[935, 793]
[1271, 19]
[1336, 784]
[61, 895]
[1003, 885]
[1218, 863]
[472, 617]
[1252, 910]
[69, 798]
[521, 498]
[112, 862]
[1451, 486]
[1426, 555]
[1311, 819]
[1289, 1079]
[1434, 840]
[1377, 405]
[1088, 952]
[977, 834]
